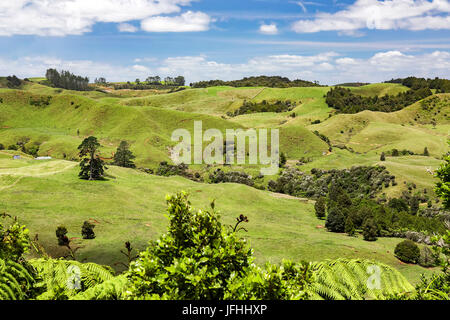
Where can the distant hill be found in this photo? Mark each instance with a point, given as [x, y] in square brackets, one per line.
[261, 81]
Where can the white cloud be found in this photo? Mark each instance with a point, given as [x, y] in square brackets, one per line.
[75, 17]
[126, 27]
[268, 28]
[187, 22]
[327, 67]
[381, 15]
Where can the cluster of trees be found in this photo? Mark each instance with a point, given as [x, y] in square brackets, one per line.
[263, 106]
[220, 176]
[373, 219]
[13, 82]
[345, 101]
[261, 81]
[358, 182]
[352, 84]
[67, 80]
[441, 85]
[92, 167]
[397, 153]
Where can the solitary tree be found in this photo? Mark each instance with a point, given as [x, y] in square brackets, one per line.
[383, 157]
[426, 153]
[92, 167]
[123, 156]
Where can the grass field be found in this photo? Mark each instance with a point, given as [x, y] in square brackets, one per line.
[130, 206]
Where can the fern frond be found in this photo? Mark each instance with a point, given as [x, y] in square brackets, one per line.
[349, 279]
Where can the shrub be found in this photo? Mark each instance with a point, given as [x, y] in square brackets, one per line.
[61, 232]
[427, 258]
[407, 251]
[13, 147]
[2, 147]
[383, 157]
[335, 220]
[87, 230]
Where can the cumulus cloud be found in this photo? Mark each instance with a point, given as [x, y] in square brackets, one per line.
[328, 67]
[268, 28]
[187, 22]
[75, 17]
[381, 15]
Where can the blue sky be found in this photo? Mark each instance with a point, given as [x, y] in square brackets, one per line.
[330, 41]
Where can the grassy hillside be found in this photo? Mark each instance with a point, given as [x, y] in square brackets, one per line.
[379, 89]
[130, 205]
[410, 128]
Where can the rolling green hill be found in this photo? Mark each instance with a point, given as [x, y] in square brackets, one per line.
[130, 206]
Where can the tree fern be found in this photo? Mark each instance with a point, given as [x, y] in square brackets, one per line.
[15, 280]
[63, 278]
[113, 289]
[350, 280]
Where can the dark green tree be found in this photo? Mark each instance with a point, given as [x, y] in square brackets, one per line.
[283, 160]
[87, 230]
[61, 235]
[123, 156]
[92, 167]
[370, 230]
[407, 251]
[425, 152]
[349, 226]
[320, 207]
[383, 157]
[414, 205]
[335, 220]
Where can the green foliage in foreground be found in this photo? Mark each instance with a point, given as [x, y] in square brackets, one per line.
[199, 258]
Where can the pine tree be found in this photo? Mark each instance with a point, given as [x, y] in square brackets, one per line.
[123, 156]
[383, 157]
[92, 167]
[425, 152]
[349, 226]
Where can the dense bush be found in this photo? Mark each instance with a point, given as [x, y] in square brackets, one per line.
[441, 85]
[166, 169]
[407, 251]
[261, 81]
[220, 176]
[358, 182]
[264, 106]
[427, 258]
